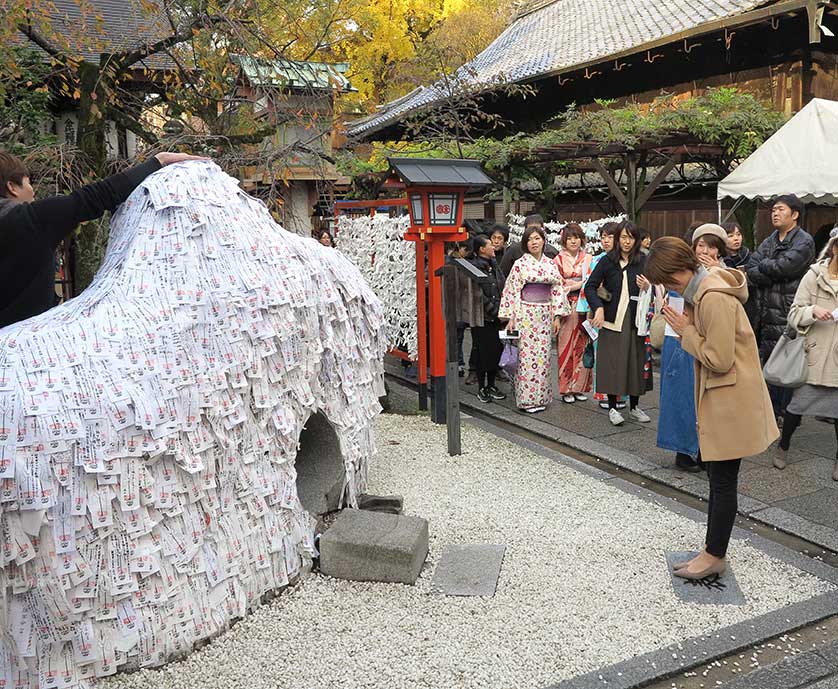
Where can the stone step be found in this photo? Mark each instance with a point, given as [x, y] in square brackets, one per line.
[374, 546]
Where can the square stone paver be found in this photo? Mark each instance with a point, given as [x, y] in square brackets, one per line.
[470, 569]
[771, 485]
[820, 507]
[817, 468]
[715, 590]
[641, 441]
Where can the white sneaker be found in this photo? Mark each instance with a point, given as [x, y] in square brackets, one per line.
[580, 398]
[639, 415]
[616, 417]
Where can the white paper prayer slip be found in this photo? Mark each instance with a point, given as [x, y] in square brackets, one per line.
[593, 333]
[149, 429]
[677, 305]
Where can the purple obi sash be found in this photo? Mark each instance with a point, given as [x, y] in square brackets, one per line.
[536, 293]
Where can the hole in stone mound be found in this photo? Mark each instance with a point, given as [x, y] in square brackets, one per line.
[320, 470]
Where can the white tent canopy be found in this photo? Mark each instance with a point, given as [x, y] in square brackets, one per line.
[801, 158]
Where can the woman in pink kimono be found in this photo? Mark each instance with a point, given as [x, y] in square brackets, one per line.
[573, 261]
[534, 301]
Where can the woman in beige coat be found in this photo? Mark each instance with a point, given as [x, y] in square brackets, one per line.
[814, 314]
[735, 417]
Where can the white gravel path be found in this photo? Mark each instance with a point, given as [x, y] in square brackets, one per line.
[583, 585]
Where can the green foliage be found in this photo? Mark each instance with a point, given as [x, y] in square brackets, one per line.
[734, 120]
[24, 101]
[726, 117]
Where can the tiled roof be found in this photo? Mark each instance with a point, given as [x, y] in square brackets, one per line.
[111, 26]
[562, 34]
[295, 74]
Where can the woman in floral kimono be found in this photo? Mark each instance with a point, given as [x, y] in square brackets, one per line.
[534, 300]
[572, 262]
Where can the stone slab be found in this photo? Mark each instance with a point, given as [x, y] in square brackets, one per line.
[374, 546]
[770, 485]
[470, 569]
[715, 590]
[820, 507]
[793, 672]
[824, 536]
[392, 504]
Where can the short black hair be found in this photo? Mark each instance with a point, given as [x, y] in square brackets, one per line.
[501, 228]
[534, 219]
[791, 201]
[534, 229]
[478, 242]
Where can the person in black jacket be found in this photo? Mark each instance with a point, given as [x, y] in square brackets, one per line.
[612, 291]
[32, 230]
[774, 271]
[489, 347]
[737, 257]
[499, 234]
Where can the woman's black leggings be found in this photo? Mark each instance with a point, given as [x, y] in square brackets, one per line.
[489, 349]
[790, 424]
[633, 401]
[722, 505]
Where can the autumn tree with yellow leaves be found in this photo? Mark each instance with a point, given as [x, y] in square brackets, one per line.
[183, 68]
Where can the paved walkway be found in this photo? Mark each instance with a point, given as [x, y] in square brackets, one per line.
[801, 500]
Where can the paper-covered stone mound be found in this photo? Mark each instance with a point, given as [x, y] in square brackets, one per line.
[150, 430]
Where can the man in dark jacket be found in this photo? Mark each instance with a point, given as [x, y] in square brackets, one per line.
[774, 271]
[30, 231]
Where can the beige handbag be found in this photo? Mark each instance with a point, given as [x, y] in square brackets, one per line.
[657, 328]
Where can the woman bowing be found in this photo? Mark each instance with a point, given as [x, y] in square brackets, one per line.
[534, 300]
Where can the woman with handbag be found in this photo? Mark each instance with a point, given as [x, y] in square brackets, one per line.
[489, 346]
[735, 417]
[622, 352]
[814, 314]
[572, 262]
[534, 301]
[676, 422]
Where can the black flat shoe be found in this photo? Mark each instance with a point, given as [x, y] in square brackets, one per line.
[686, 463]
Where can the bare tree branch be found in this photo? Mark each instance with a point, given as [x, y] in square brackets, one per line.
[41, 42]
[131, 125]
[201, 21]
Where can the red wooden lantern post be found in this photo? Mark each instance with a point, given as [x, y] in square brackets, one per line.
[436, 191]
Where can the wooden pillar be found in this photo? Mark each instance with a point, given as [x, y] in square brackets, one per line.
[450, 300]
[436, 322]
[631, 187]
[421, 326]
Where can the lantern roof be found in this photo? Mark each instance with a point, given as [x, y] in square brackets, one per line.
[453, 172]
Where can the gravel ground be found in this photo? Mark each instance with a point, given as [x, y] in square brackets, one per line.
[583, 584]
